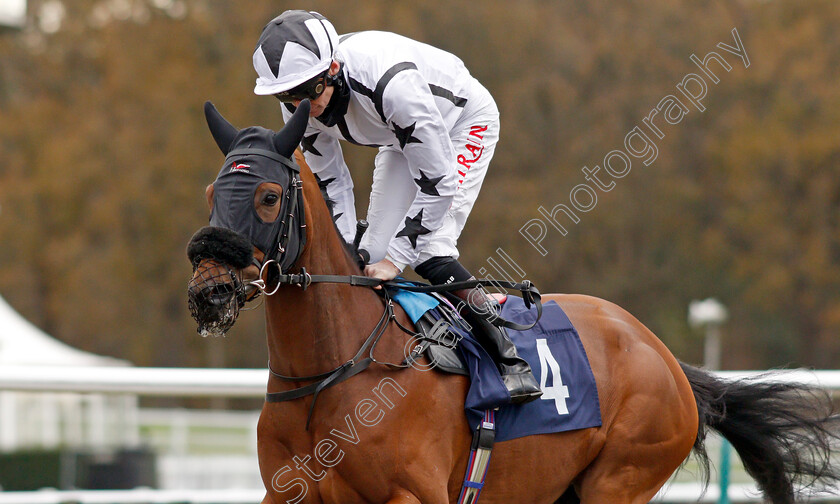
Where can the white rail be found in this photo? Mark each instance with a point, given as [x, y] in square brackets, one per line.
[199, 382]
[676, 493]
[183, 382]
[136, 496]
[169, 382]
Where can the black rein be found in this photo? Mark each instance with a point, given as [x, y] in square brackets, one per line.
[357, 364]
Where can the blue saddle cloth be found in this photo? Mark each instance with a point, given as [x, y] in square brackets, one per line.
[557, 358]
[415, 304]
[559, 362]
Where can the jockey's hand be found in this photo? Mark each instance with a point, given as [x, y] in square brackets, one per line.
[383, 270]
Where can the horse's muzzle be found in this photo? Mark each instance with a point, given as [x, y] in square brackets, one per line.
[215, 296]
[215, 291]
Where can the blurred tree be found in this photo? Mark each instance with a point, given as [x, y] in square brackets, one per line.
[106, 156]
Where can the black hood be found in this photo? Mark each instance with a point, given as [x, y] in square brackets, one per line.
[234, 189]
[253, 156]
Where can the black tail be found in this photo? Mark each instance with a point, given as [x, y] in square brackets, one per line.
[783, 432]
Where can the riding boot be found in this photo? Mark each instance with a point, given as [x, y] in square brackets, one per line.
[516, 372]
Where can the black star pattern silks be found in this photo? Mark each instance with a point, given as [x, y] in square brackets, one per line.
[414, 228]
[322, 184]
[308, 144]
[428, 185]
[404, 135]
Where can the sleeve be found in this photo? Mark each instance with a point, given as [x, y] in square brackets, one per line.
[410, 111]
[322, 153]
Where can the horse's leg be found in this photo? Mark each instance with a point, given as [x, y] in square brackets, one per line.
[403, 497]
[612, 480]
[649, 412]
[652, 433]
[631, 469]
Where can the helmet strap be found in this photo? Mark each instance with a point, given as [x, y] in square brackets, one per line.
[339, 101]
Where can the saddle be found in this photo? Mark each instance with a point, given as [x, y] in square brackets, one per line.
[439, 331]
[438, 344]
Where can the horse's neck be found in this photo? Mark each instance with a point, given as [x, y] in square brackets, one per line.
[312, 331]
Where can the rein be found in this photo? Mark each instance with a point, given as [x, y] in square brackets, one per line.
[358, 363]
[530, 294]
[287, 250]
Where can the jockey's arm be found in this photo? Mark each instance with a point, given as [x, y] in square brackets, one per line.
[421, 133]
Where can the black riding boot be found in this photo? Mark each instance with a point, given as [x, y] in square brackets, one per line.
[516, 372]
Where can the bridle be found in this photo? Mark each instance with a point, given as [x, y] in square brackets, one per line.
[290, 200]
[287, 251]
[292, 195]
[290, 210]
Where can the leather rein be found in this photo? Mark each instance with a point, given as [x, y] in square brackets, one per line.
[359, 362]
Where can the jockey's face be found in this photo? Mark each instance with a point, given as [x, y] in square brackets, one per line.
[320, 104]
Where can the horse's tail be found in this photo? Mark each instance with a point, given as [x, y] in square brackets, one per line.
[783, 432]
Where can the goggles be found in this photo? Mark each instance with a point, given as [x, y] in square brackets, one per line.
[311, 89]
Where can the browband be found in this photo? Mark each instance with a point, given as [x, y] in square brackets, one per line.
[266, 153]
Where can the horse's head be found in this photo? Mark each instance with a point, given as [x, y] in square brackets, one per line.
[256, 218]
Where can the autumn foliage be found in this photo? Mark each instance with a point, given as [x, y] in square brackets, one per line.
[104, 156]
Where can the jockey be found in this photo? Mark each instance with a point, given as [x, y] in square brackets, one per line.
[435, 126]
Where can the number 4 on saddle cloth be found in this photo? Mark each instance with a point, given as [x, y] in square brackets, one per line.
[552, 347]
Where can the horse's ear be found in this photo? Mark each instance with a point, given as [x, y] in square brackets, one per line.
[287, 139]
[223, 131]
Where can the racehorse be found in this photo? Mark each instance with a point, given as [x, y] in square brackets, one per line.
[400, 435]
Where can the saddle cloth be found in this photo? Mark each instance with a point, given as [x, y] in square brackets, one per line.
[552, 348]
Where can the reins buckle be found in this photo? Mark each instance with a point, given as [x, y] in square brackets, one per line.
[306, 277]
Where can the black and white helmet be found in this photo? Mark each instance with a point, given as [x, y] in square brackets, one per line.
[294, 47]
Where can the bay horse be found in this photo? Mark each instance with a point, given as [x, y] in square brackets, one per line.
[401, 436]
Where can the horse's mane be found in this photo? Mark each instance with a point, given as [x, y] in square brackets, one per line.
[348, 247]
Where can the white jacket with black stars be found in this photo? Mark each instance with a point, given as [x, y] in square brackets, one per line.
[404, 94]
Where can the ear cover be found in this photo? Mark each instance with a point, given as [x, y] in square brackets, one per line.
[287, 139]
[223, 131]
[222, 244]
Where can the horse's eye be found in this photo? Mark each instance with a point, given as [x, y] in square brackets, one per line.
[270, 199]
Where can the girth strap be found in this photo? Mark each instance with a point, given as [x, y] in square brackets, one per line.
[482, 445]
